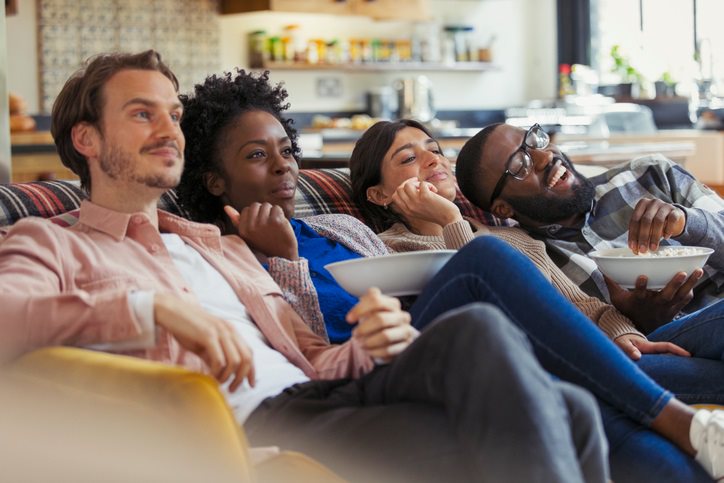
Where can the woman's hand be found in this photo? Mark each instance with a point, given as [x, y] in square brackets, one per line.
[383, 329]
[265, 229]
[415, 199]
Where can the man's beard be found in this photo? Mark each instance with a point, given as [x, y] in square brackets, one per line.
[551, 210]
[118, 164]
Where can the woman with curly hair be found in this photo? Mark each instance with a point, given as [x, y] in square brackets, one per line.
[243, 155]
[241, 152]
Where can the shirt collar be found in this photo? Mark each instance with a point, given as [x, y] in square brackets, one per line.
[115, 223]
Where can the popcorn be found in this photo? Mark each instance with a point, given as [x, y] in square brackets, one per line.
[672, 252]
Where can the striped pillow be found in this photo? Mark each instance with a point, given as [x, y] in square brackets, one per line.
[58, 200]
[322, 191]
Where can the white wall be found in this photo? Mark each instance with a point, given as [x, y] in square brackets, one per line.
[525, 53]
[23, 54]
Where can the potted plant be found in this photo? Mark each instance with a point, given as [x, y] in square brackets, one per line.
[665, 86]
[631, 78]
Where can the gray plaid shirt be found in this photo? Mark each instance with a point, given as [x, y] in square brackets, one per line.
[606, 225]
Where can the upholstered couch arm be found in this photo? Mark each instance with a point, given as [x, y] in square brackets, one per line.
[99, 413]
[77, 415]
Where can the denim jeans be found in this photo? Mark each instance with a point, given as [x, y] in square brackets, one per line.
[571, 347]
[699, 379]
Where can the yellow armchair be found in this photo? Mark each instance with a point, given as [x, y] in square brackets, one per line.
[78, 415]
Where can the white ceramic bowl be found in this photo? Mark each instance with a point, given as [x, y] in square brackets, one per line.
[397, 274]
[624, 267]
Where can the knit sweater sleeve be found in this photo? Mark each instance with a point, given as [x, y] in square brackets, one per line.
[612, 322]
[399, 239]
[457, 234]
[294, 279]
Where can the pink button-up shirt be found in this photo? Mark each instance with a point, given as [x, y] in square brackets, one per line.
[70, 286]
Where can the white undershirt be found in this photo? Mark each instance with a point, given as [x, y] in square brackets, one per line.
[274, 372]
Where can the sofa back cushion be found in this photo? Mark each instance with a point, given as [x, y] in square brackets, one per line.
[330, 191]
[320, 191]
[59, 200]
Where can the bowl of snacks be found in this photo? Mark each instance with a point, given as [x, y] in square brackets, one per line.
[396, 274]
[624, 267]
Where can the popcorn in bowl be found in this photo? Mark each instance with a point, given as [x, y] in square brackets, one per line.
[624, 267]
[670, 252]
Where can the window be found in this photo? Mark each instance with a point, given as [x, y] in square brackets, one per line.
[661, 37]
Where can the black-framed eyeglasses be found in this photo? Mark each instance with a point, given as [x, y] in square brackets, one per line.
[519, 164]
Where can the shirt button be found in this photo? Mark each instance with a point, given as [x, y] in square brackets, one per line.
[154, 248]
[186, 289]
[138, 219]
[313, 273]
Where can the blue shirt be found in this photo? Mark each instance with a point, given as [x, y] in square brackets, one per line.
[334, 301]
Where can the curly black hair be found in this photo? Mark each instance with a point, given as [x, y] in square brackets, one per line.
[214, 105]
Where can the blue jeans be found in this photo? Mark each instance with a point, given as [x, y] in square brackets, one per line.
[569, 346]
[699, 379]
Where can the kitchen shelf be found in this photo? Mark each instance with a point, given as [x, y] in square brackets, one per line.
[383, 66]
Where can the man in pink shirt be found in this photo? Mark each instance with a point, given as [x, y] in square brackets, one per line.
[463, 399]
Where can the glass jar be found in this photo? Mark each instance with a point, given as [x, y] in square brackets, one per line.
[258, 48]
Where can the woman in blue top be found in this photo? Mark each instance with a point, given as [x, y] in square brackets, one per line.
[241, 154]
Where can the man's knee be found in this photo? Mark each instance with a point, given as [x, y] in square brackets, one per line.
[582, 406]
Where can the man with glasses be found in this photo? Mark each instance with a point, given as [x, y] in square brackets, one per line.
[517, 173]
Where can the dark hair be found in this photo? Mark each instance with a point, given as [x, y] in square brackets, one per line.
[470, 168]
[214, 105]
[365, 166]
[81, 100]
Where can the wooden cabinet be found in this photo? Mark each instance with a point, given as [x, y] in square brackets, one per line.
[392, 9]
[342, 7]
[382, 9]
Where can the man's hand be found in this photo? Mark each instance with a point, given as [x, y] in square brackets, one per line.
[419, 199]
[211, 338]
[634, 345]
[649, 309]
[265, 228]
[383, 329]
[651, 221]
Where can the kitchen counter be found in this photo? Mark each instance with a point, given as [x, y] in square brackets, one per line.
[34, 155]
[332, 147]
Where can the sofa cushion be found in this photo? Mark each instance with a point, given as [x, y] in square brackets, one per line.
[320, 191]
[330, 191]
[59, 200]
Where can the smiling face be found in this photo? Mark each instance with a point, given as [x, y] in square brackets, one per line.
[139, 142]
[414, 154]
[552, 191]
[257, 163]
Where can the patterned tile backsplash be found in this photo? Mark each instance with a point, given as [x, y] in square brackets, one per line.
[185, 32]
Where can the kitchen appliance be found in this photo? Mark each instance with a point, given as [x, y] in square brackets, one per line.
[382, 102]
[415, 100]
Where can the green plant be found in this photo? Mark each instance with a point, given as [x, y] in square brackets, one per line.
[623, 67]
[667, 78]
